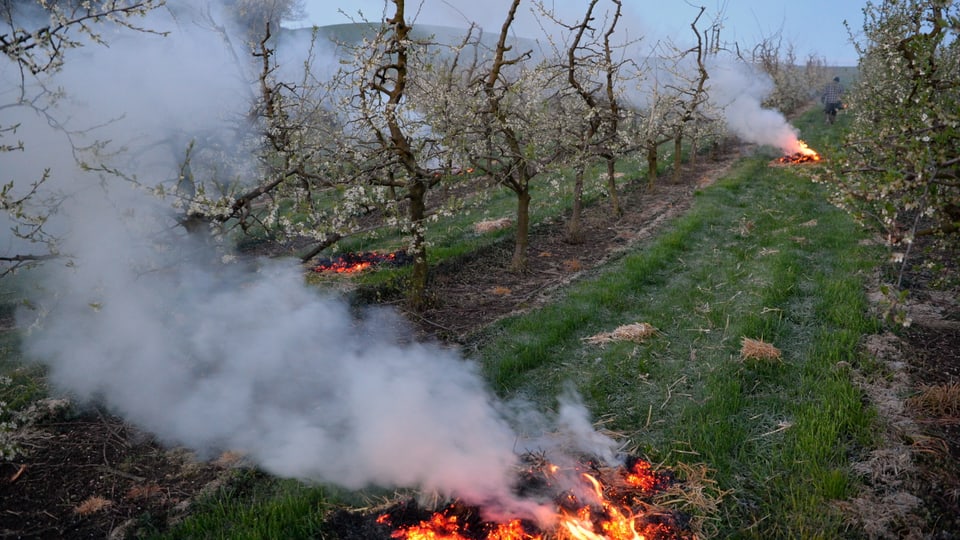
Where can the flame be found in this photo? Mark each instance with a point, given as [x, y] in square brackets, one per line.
[341, 268]
[616, 525]
[454, 172]
[439, 527]
[350, 263]
[641, 476]
[803, 154]
[512, 530]
[443, 527]
[807, 151]
[609, 517]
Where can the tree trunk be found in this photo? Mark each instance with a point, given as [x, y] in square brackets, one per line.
[519, 261]
[694, 146]
[416, 294]
[651, 163]
[574, 230]
[677, 156]
[612, 187]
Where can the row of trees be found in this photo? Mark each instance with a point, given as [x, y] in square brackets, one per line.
[367, 145]
[514, 112]
[385, 130]
[36, 39]
[899, 170]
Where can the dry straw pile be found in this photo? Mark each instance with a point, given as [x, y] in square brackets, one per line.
[482, 227]
[636, 332]
[941, 401]
[756, 349]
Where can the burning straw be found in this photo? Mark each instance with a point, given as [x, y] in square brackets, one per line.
[348, 263]
[803, 154]
[626, 502]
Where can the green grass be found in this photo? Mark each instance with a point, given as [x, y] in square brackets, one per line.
[254, 507]
[27, 381]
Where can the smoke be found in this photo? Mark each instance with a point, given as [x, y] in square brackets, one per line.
[248, 359]
[739, 90]
[243, 357]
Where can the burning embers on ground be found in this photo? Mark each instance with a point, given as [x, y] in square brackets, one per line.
[607, 504]
[804, 154]
[348, 263]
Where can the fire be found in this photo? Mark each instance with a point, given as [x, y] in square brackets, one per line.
[439, 527]
[617, 524]
[803, 154]
[642, 476]
[445, 526]
[454, 172]
[512, 530]
[618, 511]
[350, 263]
[347, 268]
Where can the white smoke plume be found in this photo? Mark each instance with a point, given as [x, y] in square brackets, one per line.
[245, 357]
[739, 90]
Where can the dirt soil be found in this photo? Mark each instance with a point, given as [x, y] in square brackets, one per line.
[89, 475]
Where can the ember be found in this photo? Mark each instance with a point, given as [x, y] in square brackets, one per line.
[804, 154]
[640, 475]
[348, 263]
[620, 507]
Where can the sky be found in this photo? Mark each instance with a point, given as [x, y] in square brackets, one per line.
[811, 26]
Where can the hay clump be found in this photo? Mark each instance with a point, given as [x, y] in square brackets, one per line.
[940, 401]
[698, 495]
[230, 460]
[92, 505]
[147, 491]
[482, 227]
[757, 349]
[636, 332]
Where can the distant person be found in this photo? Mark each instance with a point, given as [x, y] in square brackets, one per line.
[831, 99]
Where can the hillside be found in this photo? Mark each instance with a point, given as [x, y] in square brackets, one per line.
[352, 33]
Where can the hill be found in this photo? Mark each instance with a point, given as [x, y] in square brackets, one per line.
[354, 33]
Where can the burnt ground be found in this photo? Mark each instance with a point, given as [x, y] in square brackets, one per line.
[88, 475]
